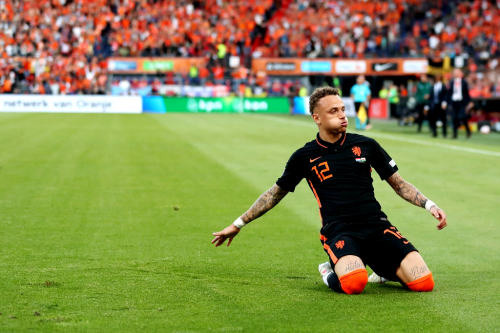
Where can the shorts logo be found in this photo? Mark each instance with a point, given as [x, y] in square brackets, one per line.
[361, 160]
[339, 244]
[356, 150]
[396, 233]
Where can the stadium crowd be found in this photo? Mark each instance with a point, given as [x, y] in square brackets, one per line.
[77, 36]
[395, 28]
[61, 46]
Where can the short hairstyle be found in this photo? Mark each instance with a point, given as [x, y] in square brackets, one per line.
[318, 94]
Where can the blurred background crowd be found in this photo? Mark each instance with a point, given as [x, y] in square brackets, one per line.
[62, 46]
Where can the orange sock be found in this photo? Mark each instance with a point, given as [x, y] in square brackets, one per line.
[425, 283]
[354, 282]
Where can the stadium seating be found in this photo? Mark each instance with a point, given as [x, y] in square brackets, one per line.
[71, 40]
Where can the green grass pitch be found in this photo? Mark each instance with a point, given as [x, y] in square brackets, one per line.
[90, 241]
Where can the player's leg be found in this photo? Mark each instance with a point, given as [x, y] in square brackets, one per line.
[414, 273]
[348, 274]
[352, 274]
[349, 277]
[394, 258]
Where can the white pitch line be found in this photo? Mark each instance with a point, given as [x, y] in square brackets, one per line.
[395, 138]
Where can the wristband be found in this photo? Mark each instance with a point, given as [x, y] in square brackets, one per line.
[429, 204]
[239, 223]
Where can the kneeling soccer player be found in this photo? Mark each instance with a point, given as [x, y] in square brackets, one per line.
[355, 231]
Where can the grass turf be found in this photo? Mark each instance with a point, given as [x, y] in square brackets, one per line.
[90, 240]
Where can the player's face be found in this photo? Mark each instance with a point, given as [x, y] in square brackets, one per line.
[330, 114]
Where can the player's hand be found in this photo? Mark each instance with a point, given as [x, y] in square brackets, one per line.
[221, 236]
[440, 215]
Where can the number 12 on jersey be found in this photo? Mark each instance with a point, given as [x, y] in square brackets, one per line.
[321, 173]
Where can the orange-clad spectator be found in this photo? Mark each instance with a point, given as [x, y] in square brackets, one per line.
[218, 73]
[486, 91]
[61, 39]
[7, 86]
[261, 78]
[203, 74]
[241, 73]
[475, 91]
[241, 89]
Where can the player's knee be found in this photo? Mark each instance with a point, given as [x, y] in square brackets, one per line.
[425, 283]
[354, 282]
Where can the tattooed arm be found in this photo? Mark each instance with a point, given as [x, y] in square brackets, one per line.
[264, 203]
[406, 190]
[411, 194]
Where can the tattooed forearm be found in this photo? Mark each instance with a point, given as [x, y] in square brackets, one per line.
[353, 265]
[417, 272]
[264, 203]
[406, 190]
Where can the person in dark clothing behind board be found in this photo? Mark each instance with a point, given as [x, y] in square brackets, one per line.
[437, 105]
[422, 97]
[459, 98]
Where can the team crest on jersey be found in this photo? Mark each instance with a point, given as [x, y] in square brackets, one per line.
[339, 244]
[356, 150]
[361, 160]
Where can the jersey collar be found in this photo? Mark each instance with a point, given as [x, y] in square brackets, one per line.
[326, 144]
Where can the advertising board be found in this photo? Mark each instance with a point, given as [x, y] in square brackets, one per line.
[70, 103]
[159, 104]
[152, 65]
[303, 66]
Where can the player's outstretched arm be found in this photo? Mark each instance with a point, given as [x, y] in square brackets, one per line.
[265, 202]
[411, 194]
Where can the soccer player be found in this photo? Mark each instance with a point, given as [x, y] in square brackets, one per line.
[355, 232]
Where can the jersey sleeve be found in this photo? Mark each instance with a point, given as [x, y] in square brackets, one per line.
[292, 175]
[382, 162]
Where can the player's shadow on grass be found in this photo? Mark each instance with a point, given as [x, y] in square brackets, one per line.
[389, 288]
[370, 289]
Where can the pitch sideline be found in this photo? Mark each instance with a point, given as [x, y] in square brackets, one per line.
[396, 138]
